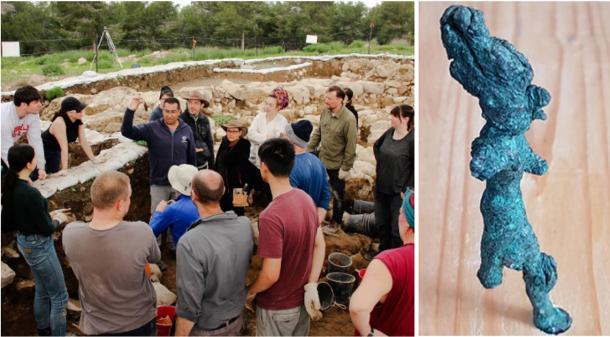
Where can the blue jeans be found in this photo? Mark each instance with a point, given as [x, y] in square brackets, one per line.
[51, 296]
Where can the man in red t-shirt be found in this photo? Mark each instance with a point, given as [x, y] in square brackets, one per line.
[383, 303]
[291, 245]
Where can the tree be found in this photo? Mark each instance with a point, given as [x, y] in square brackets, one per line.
[392, 20]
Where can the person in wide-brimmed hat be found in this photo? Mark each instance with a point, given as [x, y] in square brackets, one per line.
[233, 165]
[195, 117]
[179, 215]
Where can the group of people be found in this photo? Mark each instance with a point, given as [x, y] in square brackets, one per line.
[21, 119]
[197, 195]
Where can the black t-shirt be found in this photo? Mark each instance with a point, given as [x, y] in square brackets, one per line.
[49, 140]
[395, 162]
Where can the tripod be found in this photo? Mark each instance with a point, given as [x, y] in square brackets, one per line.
[111, 47]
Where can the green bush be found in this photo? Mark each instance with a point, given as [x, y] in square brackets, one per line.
[319, 48]
[40, 60]
[53, 93]
[52, 70]
[357, 44]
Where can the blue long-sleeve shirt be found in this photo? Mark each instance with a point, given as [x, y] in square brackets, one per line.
[178, 216]
[309, 174]
[165, 148]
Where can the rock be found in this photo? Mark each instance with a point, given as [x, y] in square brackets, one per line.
[82, 60]
[93, 91]
[388, 100]
[372, 87]
[387, 69]
[25, 285]
[89, 73]
[164, 296]
[392, 91]
[8, 275]
[400, 99]
[10, 252]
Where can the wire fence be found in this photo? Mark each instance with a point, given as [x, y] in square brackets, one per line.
[46, 46]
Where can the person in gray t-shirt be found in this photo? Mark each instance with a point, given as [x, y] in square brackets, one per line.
[108, 257]
[212, 261]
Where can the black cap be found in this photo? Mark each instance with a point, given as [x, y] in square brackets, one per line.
[71, 103]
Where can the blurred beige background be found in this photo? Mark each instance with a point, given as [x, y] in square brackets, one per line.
[568, 46]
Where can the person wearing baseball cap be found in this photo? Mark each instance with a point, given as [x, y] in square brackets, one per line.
[66, 127]
[308, 173]
[181, 213]
[199, 123]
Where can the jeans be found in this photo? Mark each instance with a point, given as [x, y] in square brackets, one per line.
[158, 193]
[51, 296]
[338, 193]
[387, 208]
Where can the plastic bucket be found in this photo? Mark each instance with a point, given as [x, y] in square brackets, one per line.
[342, 284]
[339, 262]
[162, 311]
[326, 295]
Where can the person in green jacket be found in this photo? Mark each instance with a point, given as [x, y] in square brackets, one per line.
[335, 141]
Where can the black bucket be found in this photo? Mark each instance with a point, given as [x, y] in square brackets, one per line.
[342, 284]
[326, 295]
[339, 262]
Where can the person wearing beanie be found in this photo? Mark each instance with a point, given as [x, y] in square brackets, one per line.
[63, 131]
[391, 275]
[166, 92]
[308, 173]
[269, 123]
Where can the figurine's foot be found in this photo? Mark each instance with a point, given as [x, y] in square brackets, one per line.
[554, 322]
[490, 277]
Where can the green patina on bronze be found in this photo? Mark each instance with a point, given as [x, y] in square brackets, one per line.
[500, 76]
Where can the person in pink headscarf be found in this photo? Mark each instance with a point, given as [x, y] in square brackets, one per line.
[268, 124]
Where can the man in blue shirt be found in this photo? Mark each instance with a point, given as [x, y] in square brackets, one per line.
[308, 173]
[179, 215]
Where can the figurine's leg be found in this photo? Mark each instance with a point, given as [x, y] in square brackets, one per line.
[540, 275]
[490, 272]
